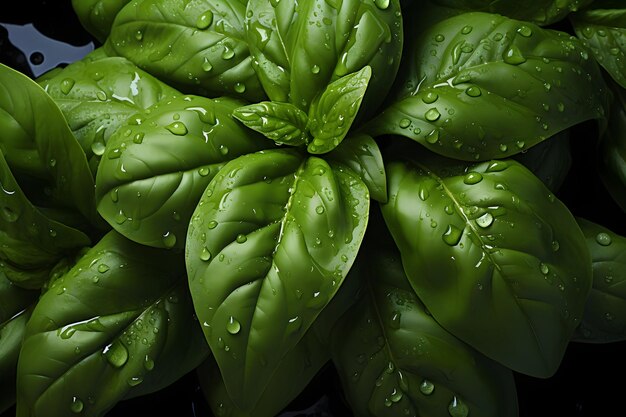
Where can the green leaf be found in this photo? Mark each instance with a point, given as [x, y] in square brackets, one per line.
[30, 242]
[480, 86]
[332, 113]
[97, 16]
[612, 150]
[15, 310]
[362, 155]
[98, 96]
[541, 12]
[119, 321]
[37, 140]
[283, 123]
[604, 320]
[299, 48]
[155, 168]
[496, 258]
[199, 47]
[549, 160]
[268, 246]
[603, 28]
[394, 359]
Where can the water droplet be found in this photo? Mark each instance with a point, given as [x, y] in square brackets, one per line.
[67, 85]
[319, 209]
[427, 387]
[227, 53]
[205, 255]
[148, 363]
[485, 220]
[440, 38]
[206, 65]
[102, 268]
[466, 29]
[204, 20]
[503, 147]
[472, 178]
[545, 269]
[452, 235]
[520, 144]
[497, 166]
[433, 137]
[241, 238]
[404, 123]
[513, 56]
[177, 128]
[432, 115]
[396, 395]
[457, 408]
[223, 149]
[395, 320]
[233, 326]
[135, 380]
[473, 91]
[555, 245]
[588, 32]
[430, 97]
[77, 405]
[382, 4]
[315, 69]
[603, 239]
[212, 224]
[169, 240]
[240, 88]
[116, 354]
[525, 31]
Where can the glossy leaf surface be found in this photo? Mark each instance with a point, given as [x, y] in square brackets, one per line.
[496, 258]
[479, 86]
[97, 96]
[603, 28]
[199, 47]
[120, 320]
[268, 246]
[283, 123]
[155, 168]
[395, 359]
[604, 320]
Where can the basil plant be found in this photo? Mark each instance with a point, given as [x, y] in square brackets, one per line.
[256, 190]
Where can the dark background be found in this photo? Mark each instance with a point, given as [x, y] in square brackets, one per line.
[589, 381]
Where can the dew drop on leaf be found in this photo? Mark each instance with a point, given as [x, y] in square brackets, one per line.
[77, 405]
[603, 239]
[457, 408]
[427, 387]
[233, 326]
[116, 354]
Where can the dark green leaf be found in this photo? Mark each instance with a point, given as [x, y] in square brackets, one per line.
[197, 46]
[480, 86]
[612, 164]
[284, 123]
[394, 359]
[30, 242]
[120, 321]
[97, 16]
[541, 12]
[97, 96]
[37, 140]
[604, 320]
[603, 28]
[497, 259]
[268, 246]
[361, 153]
[155, 168]
[332, 112]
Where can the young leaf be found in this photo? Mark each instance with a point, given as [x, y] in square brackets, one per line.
[301, 47]
[37, 140]
[361, 154]
[268, 247]
[120, 321]
[332, 113]
[198, 46]
[283, 123]
[604, 320]
[153, 173]
[480, 86]
[603, 28]
[97, 96]
[395, 359]
[496, 258]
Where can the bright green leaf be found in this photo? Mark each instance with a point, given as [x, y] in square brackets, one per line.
[283, 123]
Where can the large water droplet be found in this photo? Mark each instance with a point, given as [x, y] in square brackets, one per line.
[177, 128]
[169, 240]
[452, 235]
[457, 408]
[204, 20]
[432, 115]
[485, 220]
[427, 387]
[77, 405]
[382, 4]
[233, 326]
[67, 85]
[472, 178]
[430, 97]
[116, 354]
[603, 239]
[514, 56]
[525, 31]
